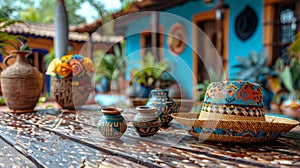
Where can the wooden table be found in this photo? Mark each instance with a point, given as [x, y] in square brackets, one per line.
[48, 138]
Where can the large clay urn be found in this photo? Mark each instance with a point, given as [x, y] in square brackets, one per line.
[21, 83]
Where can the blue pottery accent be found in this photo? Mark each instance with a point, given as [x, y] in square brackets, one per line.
[246, 133]
[112, 125]
[147, 121]
[164, 104]
[142, 91]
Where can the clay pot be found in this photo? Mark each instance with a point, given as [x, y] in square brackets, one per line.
[164, 104]
[112, 124]
[291, 107]
[147, 121]
[71, 92]
[21, 83]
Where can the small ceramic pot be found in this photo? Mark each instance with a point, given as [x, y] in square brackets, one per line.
[112, 125]
[164, 104]
[291, 107]
[147, 121]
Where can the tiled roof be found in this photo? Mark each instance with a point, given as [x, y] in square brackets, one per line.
[47, 31]
[136, 6]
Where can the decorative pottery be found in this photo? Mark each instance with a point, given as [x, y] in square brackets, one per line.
[112, 125]
[21, 84]
[291, 107]
[164, 104]
[71, 92]
[147, 121]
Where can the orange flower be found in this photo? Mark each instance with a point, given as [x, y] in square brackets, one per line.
[63, 69]
[76, 67]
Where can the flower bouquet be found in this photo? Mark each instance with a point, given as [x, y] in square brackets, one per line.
[71, 84]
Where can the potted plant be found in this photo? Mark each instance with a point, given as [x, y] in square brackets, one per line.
[288, 68]
[254, 68]
[148, 75]
[71, 84]
[110, 67]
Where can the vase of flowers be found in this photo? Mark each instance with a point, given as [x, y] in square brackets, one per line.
[71, 84]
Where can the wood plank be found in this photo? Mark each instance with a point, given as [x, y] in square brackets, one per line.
[49, 149]
[171, 144]
[10, 157]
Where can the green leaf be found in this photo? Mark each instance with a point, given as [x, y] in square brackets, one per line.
[286, 78]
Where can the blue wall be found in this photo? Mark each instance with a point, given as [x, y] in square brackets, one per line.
[183, 64]
[238, 47]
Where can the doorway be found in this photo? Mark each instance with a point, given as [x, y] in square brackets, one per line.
[210, 40]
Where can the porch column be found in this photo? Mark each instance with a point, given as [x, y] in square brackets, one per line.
[61, 29]
[90, 48]
[154, 31]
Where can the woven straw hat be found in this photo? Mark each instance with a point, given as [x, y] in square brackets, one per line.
[233, 112]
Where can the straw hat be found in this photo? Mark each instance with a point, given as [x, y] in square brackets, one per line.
[233, 112]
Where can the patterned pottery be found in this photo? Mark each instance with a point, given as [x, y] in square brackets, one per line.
[291, 107]
[112, 125]
[21, 84]
[71, 92]
[164, 104]
[147, 121]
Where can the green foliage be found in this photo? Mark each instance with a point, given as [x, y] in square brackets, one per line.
[41, 11]
[6, 39]
[294, 48]
[254, 68]
[150, 71]
[110, 65]
[288, 67]
[49, 57]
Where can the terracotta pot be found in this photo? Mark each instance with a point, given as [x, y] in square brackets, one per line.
[112, 125]
[71, 92]
[291, 107]
[164, 104]
[147, 121]
[21, 83]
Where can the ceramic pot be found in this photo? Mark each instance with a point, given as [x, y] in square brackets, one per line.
[112, 125]
[291, 107]
[147, 121]
[71, 92]
[164, 104]
[21, 83]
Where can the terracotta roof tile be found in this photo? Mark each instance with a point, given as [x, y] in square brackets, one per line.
[47, 31]
[136, 6]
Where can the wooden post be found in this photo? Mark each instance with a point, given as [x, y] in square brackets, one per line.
[61, 29]
[154, 31]
[90, 48]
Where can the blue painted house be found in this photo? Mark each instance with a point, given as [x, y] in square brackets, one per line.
[197, 35]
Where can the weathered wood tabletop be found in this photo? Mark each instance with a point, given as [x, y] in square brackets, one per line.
[49, 138]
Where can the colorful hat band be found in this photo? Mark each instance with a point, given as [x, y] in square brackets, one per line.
[236, 110]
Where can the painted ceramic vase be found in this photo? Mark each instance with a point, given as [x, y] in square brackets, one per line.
[291, 107]
[21, 83]
[112, 125]
[164, 104]
[147, 121]
[71, 92]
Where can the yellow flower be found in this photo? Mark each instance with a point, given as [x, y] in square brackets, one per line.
[63, 69]
[66, 58]
[88, 65]
[52, 67]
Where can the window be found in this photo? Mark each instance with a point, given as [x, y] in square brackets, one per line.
[280, 26]
[146, 43]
